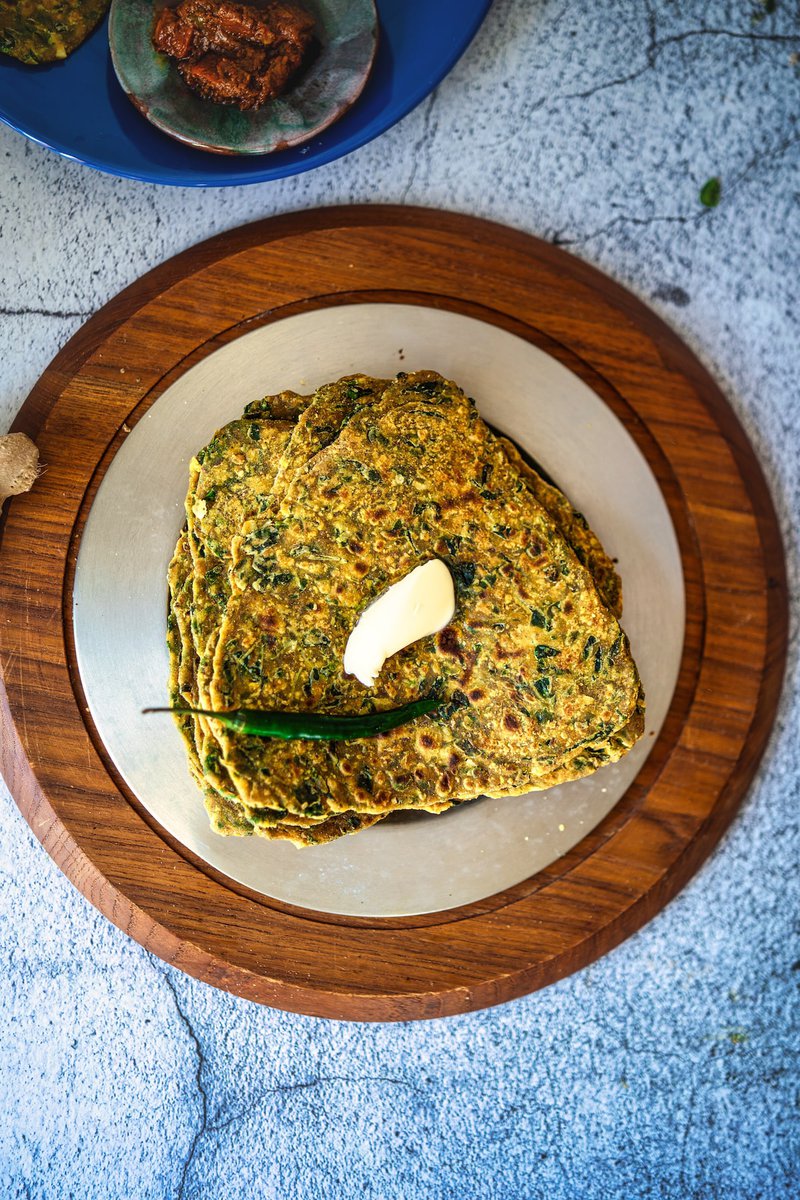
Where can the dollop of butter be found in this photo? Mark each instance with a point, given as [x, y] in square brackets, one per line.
[420, 604]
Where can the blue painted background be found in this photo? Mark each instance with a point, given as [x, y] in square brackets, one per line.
[670, 1068]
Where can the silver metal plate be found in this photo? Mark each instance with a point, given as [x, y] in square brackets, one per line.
[422, 863]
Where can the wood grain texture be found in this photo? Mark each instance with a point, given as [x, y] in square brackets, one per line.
[622, 872]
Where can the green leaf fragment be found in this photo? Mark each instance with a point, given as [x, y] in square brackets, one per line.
[545, 652]
[711, 192]
[589, 645]
[464, 573]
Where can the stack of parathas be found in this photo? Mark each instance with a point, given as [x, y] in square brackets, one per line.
[299, 515]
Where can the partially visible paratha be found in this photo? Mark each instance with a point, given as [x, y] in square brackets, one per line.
[229, 480]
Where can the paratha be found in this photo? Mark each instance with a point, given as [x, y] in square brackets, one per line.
[535, 668]
[298, 515]
[42, 31]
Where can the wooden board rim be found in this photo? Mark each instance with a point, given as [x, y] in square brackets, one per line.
[358, 994]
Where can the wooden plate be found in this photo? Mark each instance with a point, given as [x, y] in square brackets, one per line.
[685, 794]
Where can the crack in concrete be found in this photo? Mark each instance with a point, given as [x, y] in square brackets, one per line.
[626, 219]
[426, 135]
[656, 46]
[762, 158]
[282, 1089]
[43, 312]
[683, 1136]
[759, 160]
[306, 1084]
[199, 1080]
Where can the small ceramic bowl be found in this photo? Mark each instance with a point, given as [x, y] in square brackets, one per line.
[347, 31]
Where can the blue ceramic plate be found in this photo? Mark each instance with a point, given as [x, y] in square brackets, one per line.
[346, 31]
[78, 108]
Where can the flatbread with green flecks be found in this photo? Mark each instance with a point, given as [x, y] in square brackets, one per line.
[534, 666]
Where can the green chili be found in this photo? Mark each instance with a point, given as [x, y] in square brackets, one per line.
[317, 727]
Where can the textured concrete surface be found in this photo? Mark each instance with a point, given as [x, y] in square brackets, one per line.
[668, 1069]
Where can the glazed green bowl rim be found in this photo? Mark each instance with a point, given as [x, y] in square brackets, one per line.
[154, 86]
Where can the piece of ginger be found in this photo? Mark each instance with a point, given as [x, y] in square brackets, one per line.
[19, 465]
